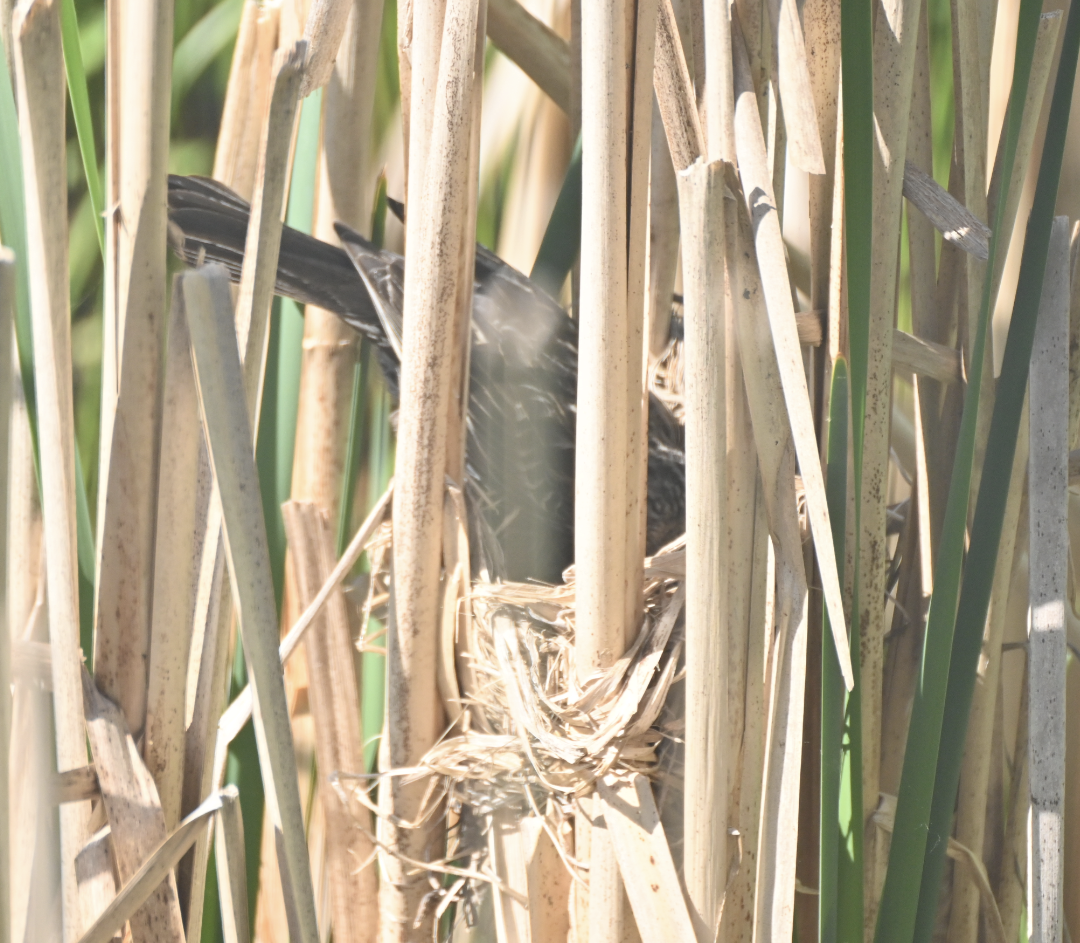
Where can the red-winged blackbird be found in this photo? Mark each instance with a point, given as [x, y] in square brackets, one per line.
[522, 383]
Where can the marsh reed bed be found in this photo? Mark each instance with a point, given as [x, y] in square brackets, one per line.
[268, 670]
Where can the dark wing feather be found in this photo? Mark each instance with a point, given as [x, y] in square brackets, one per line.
[522, 417]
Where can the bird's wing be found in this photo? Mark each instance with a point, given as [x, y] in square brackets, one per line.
[208, 221]
[384, 275]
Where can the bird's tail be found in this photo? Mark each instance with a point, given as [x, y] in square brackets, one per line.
[209, 222]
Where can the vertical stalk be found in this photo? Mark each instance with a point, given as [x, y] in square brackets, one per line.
[132, 410]
[895, 42]
[705, 799]
[1049, 542]
[40, 79]
[7, 329]
[433, 292]
[343, 192]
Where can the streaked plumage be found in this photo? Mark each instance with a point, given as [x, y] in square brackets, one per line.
[522, 387]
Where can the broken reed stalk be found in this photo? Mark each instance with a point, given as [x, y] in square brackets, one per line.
[227, 427]
[335, 708]
[40, 82]
[323, 32]
[1049, 542]
[133, 811]
[433, 292]
[760, 203]
[131, 411]
[705, 795]
[7, 335]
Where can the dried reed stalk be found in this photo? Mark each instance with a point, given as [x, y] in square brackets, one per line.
[433, 293]
[329, 350]
[663, 239]
[705, 798]
[237, 93]
[156, 867]
[1072, 792]
[425, 44]
[1009, 889]
[719, 95]
[405, 52]
[653, 885]
[40, 83]
[31, 723]
[136, 821]
[540, 156]
[778, 763]
[214, 609]
[344, 194]
[603, 437]
[1042, 57]
[821, 27]
[259, 272]
[324, 30]
[895, 43]
[247, 97]
[239, 711]
[750, 602]
[253, 308]
[1041, 62]
[231, 869]
[1049, 541]
[928, 323]
[335, 707]
[175, 570]
[971, 148]
[761, 205]
[228, 428]
[675, 93]
[7, 328]
[128, 465]
[795, 88]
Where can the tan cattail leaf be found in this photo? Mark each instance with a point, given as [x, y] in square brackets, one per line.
[644, 858]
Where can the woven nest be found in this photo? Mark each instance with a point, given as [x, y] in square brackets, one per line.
[526, 738]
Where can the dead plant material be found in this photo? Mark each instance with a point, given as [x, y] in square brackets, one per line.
[530, 739]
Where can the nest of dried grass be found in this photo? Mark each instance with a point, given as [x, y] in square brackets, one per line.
[526, 736]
